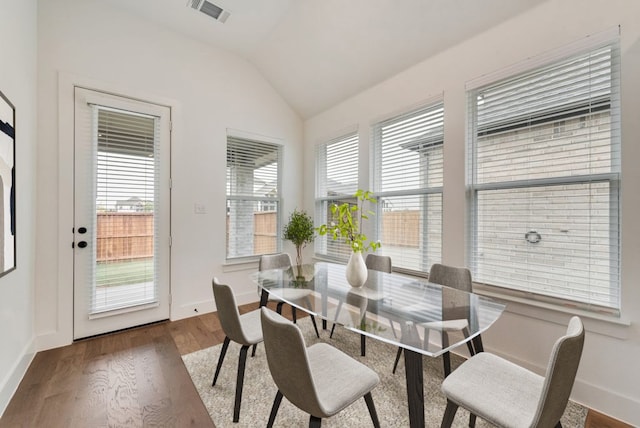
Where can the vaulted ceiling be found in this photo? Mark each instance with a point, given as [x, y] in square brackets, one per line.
[317, 53]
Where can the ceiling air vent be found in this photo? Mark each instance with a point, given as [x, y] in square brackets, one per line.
[208, 8]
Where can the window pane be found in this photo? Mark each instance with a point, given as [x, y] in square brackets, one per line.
[253, 198]
[408, 176]
[553, 240]
[411, 230]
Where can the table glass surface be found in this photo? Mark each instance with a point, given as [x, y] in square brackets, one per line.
[393, 308]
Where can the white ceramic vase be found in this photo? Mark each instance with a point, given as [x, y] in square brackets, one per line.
[356, 270]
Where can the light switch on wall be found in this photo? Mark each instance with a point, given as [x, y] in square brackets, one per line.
[199, 209]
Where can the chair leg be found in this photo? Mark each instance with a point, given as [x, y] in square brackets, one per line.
[395, 364]
[477, 344]
[372, 409]
[253, 351]
[558, 425]
[294, 314]
[332, 329]
[315, 327]
[274, 409]
[314, 422]
[240, 381]
[449, 414]
[472, 351]
[279, 307]
[446, 358]
[223, 352]
[472, 420]
[363, 345]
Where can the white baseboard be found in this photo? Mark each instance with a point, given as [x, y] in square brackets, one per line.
[12, 380]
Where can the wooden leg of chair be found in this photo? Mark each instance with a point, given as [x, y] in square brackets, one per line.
[449, 414]
[472, 351]
[274, 409]
[477, 344]
[240, 382]
[314, 422]
[253, 351]
[395, 364]
[223, 352]
[315, 326]
[332, 329]
[372, 409]
[446, 358]
[472, 420]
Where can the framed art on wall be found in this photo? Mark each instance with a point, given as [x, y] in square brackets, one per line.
[7, 186]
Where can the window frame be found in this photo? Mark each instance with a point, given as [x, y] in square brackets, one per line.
[613, 177]
[377, 142]
[323, 200]
[259, 201]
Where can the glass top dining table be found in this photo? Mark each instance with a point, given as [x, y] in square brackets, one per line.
[389, 307]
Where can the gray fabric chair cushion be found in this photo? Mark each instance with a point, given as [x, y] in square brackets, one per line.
[380, 263]
[495, 389]
[244, 329]
[339, 379]
[251, 327]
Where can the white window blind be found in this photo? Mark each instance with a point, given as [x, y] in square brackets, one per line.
[126, 190]
[336, 183]
[253, 197]
[544, 171]
[408, 161]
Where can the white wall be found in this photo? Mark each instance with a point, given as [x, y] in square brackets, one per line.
[608, 378]
[211, 90]
[18, 82]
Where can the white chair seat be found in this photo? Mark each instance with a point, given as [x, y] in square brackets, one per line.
[251, 327]
[339, 379]
[496, 390]
[448, 325]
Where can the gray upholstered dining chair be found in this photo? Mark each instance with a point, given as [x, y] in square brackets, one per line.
[373, 262]
[319, 380]
[452, 320]
[508, 395]
[283, 261]
[245, 329]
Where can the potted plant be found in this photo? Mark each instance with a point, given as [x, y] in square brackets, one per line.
[346, 225]
[299, 230]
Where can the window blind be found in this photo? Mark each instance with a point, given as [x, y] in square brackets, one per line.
[336, 183]
[253, 197]
[408, 173]
[126, 191]
[544, 174]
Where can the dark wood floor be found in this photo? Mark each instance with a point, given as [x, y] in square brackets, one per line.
[133, 378]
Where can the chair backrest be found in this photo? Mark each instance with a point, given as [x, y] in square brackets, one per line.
[376, 262]
[274, 261]
[288, 362]
[560, 376]
[228, 312]
[449, 276]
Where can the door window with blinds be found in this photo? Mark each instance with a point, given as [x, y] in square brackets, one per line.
[336, 183]
[126, 188]
[408, 161]
[544, 172]
[253, 197]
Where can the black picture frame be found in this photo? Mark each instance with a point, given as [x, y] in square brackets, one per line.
[7, 185]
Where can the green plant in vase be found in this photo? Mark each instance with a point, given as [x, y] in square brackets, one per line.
[346, 225]
[299, 230]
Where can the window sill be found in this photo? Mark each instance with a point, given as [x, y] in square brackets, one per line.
[606, 324]
[240, 265]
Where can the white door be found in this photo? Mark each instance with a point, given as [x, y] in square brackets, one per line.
[121, 213]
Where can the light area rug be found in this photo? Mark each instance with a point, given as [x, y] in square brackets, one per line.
[389, 396]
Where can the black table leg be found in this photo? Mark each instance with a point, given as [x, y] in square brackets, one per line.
[415, 388]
